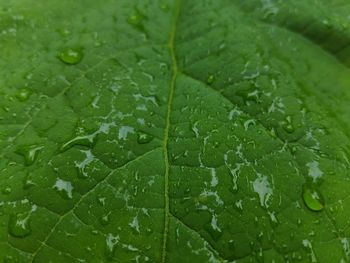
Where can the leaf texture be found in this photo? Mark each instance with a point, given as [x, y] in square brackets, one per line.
[174, 131]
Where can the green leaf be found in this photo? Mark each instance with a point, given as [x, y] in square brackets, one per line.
[174, 131]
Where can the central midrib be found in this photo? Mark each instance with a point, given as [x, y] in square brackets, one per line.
[171, 47]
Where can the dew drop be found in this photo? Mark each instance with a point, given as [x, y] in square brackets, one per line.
[71, 56]
[87, 140]
[135, 19]
[231, 245]
[143, 138]
[239, 205]
[111, 245]
[293, 150]
[210, 79]
[149, 231]
[104, 220]
[287, 125]
[23, 94]
[28, 184]
[64, 32]
[327, 23]
[312, 198]
[288, 128]
[9, 259]
[18, 225]
[262, 187]
[299, 222]
[213, 229]
[64, 188]
[30, 153]
[7, 190]
[84, 165]
[101, 201]
[164, 7]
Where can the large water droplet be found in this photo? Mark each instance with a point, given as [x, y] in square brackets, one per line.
[18, 225]
[312, 198]
[85, 165]
[87, 140]
[23, 94]
[111, 245]
[64, 188]
[143, 138]
[30, 153]
[71, 56]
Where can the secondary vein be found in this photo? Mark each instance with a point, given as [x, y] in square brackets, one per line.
[171, 46]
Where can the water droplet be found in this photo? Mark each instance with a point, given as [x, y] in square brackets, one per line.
[216, 144]
[18, 225]
[71, 56]
[287, 125]
[84, 166]
[288, 128]
[23, 94]
[250, 94]
[312, 198]
[135, 20]
[63, 32]
[293, 150]
[28, 181]
[64, 188]
[30, 153]
[7, 190]
[9, 259]
[149, 231]
[231, 245]
[101, 201]
[259, 256]
[164, 7]
[327, 23]
[111, 245]
[239, 205]
[248, 123]
[210, 79]
[213, 229]
[273, 219]
[7, 109]
[28, 184]
[262, 187]
[87, 140]
[143, 138]
[104, 220]
[314, 171]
